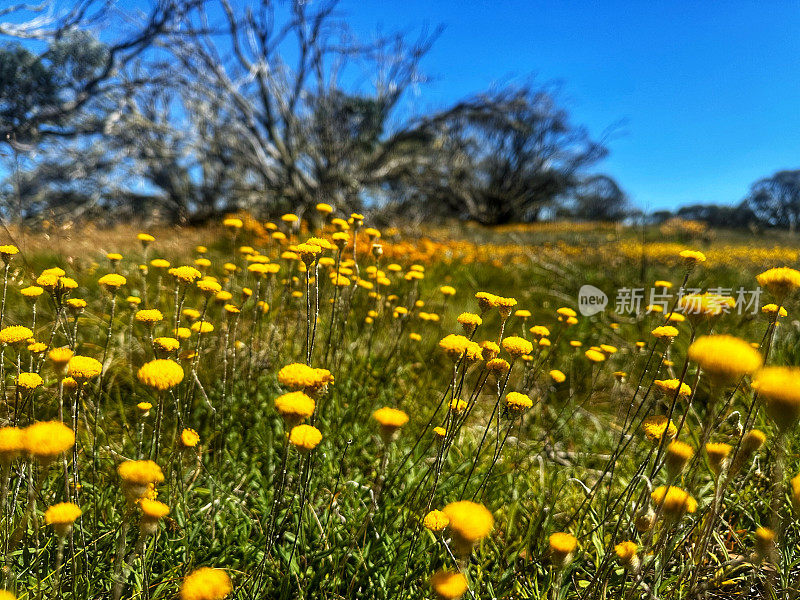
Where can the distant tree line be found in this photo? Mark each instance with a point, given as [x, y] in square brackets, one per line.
[193, 108]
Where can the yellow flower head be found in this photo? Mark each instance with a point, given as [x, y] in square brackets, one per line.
[189, 438]
[676, 502]
[61, 516]
[390, 420]
[595, 356]
[31, 292]
[669, 387]
[324, 209]
[658, 426]
[138, 476]
[206, 584]
[780, 388]
[557, 376]
[166, 344]
[469, 523]
[498, 366]
[774, 311]
[149, 316]
[692, 257]
[209, 286]
[435, 521]
[489, 350]
[15, 334]
[48, 439]
[627, 554]
[447, 290]
[186, 275]
[539, 331]
[83, 368]
[29, 381]
[160, 263]
[561, 546]
[298, 376]
[160, 374]
[723, 357]
[305, 437]
[233, 223]
[449, 585]
[145, 238]
[517, 403]
[780, 281]
[456, 346]
[717, 455]
[7, 251]
[469, 321]
[517, 346]
[678, 454]
[112, 281]
[12, 443]
[294, 406]
[202, 327]
[457, 405]
[665, 332]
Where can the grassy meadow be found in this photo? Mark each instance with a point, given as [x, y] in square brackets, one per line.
[314, 408]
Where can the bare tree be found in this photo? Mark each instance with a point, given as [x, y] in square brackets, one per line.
[299, 132]
[775, 200]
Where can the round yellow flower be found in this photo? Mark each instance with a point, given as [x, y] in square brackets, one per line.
[517, 403]
[717, 455]
[12, 443]
[595, 356]
[448, 585]
[469, 321]
[47, 439]
[469, 523]
[83, 368]
[324, 209]
[31, 292]
[186, 275]
[561, 546]
[456, 346]
[206, 584]
[7, 251]
[149, 316]
[112, 281]
[160, 263]
[298, 376]
[233, 223]
[435, 521]
[658, 426]
[294, 407]
[447, 290]
[390, 420]
[15, 334]
[627, 554]
[145, 238]
[189, 438]
[665, 332]
[29, 381]
[780, 388]
[517, 346]
[202, 327]
[305, 437]
[166, 344]
[138, 475]
[678, 454]
[780, 281]
[724, 357]
[676, 502]
[692, 257]
[669, 387]
[160, 374]
[557, 376]
[61, 516]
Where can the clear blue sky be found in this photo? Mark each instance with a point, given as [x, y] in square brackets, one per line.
[709, 92]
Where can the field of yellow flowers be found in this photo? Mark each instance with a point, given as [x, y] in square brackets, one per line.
[316, 408]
